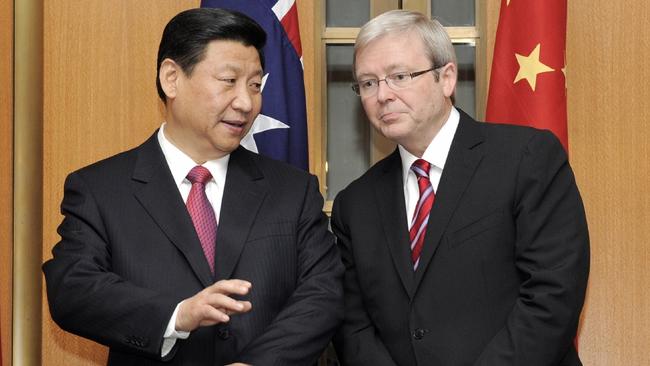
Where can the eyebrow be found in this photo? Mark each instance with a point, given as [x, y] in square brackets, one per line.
[238, 69]
[389, 70]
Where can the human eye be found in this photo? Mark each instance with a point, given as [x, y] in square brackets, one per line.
[228, 81]
[256, 86]
[367, 84]
[400, 76]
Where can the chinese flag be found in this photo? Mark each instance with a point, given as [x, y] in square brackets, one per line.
[528, 81]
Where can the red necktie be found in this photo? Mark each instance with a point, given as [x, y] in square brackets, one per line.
[421, 215]
[202, 213]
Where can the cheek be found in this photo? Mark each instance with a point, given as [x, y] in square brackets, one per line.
[202, 93]
[377, 124]
[369, 107]
[257, 104]
[424, 103]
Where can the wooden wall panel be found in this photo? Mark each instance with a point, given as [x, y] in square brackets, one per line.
[309, 33]
[609, 142]
[488, 22]
[6, 177]
[99, 98]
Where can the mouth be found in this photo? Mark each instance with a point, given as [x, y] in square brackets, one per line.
[235, 126]
[389, 116]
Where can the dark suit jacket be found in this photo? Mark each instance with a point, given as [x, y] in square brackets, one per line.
[129, 253]
[503, 271]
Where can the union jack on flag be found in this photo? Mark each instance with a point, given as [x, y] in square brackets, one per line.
[280, 131]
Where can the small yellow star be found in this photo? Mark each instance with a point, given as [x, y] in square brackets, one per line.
[507, 2]
[530, 66]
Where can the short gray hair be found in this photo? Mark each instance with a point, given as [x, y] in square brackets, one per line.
[437, 44]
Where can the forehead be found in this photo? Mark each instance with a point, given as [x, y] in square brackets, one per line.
[233, 53]
[390, 52]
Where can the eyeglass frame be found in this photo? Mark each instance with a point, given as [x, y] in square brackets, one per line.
[357, 89]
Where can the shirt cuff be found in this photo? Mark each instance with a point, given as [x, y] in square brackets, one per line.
[171, 334]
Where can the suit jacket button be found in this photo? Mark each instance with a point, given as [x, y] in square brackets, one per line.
[224, 333]
[419, 333]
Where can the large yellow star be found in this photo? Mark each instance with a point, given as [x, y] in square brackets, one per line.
[530, 66]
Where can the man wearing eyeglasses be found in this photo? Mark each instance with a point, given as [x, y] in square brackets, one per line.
[468, 245]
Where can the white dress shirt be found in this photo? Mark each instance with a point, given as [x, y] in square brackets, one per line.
[436, 154]
[180, 165]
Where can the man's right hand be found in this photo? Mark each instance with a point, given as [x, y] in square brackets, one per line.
[213, 305]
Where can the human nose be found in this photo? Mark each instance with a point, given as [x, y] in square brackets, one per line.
[384, 92]
[243, 100]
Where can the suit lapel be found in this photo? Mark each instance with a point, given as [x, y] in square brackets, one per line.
[464, 157]
[242, 198]
[390, 200]
[161, 199]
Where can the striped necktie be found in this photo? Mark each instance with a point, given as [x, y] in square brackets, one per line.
[421, 215]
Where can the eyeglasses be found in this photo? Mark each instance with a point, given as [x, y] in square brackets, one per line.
[396, 81]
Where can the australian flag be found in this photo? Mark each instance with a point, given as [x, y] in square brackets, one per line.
[280, 131]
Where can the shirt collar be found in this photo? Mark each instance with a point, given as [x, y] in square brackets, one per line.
[180, 163]
[438, 149]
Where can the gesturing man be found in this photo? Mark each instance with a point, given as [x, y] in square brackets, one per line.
[189, 249]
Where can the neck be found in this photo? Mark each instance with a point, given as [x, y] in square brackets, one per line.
[421, 142]
[193, 152]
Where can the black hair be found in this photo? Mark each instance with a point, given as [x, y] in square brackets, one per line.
[188, 34]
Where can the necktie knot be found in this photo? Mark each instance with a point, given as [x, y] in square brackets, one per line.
[199, 174]
[421, 168]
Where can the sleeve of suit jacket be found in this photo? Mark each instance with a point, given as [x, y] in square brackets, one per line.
[86, 297]
[357, 340]
[552, 256]
[304, 327]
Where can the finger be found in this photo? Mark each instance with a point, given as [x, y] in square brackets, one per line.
[192, 314]
[246, 308]
[228, 304]
[234, 286]
[212, 315]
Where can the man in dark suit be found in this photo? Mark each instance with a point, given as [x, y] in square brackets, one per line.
[466, 246]
[158, 281]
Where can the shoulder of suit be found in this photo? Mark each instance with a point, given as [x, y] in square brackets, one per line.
[120, 163]
[507, 135]
[123, 160]
[506, 141]
[271, 167]
[373, 175]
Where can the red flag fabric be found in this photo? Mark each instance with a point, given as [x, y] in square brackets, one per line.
[528, 79]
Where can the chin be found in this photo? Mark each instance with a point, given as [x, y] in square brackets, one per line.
[393, 133]
[229, 149]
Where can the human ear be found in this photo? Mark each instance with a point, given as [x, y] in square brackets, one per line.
[168, 77]
[448, 77]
